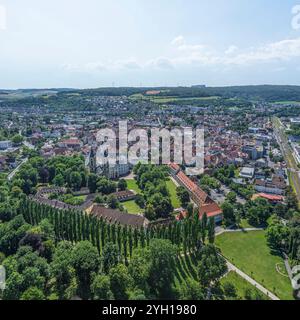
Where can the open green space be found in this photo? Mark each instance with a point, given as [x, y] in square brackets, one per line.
[287, 102]
[132, 207]
[132, 185]
[241, 285]
[168, 99]
[172, 190]
[249, 252]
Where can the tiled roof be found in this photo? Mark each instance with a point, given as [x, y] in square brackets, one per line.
[211, 209]
[116, 216]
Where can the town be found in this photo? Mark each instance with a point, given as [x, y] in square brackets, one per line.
[57, 202]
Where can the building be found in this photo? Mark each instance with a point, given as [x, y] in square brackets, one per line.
[124, 195]
[254, 152]
[5, 145]
[74, 144]
[247, 173]
[275, 185]
[199, 197]
[271, 198]
[116, 216]
[109, 171]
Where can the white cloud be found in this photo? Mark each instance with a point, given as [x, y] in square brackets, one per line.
[185, 54]
[178, 41]
[231, 49]
[282, 50]
[160, 63]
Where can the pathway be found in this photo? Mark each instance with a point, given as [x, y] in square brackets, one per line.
[250, 280]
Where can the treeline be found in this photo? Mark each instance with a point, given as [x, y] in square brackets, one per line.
[262, 92]
[75, 226]
[155, 197]
[59, 171]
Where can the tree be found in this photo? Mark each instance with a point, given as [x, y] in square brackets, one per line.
[277, 234]
[230, 290]
[191, 290]
[228, 213]
[59, 180]
[75, 180]
[122, 185]
[100, 288]
[92, 182]
[183, 196]
[121, 282]
[161, 257]
[211, 230]
[85, 260]
[13, 288]
[139, 270]
[65, 284]
[33, 293]
[112, 201]
[110, 256]
[149, 212]
[190, 210]
[291, 199]
[17, 139]
[211, 266]
[231, 197]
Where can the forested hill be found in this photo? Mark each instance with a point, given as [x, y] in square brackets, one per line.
[268, 93]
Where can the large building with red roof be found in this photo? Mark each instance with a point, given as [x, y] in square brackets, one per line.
[201, 198]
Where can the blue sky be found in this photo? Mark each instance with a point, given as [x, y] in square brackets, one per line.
[93, 43]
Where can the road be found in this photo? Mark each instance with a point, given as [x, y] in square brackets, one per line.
[252, 281]
[287, 154]
[12, 174]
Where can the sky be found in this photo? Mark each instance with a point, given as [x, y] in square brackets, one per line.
[97, 43]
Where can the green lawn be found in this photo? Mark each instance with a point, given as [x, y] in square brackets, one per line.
[287, 102]
[186, 268]
[240, 284]
[250, 253]
[168, 99]
[132, 207]
[132, 185]
[245, 224]
[172, 190]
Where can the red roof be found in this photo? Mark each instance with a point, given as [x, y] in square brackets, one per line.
[71, 141]
[270, 197]
[174, 166]
[211, 210]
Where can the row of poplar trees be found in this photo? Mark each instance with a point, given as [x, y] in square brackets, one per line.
[188, 234]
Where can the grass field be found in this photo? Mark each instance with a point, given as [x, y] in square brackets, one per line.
[186, 268]
[250, 253]
[172, 190]
[168, 99]
[132, 185]
[287, 102]
[132, 207]
[240, 284]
